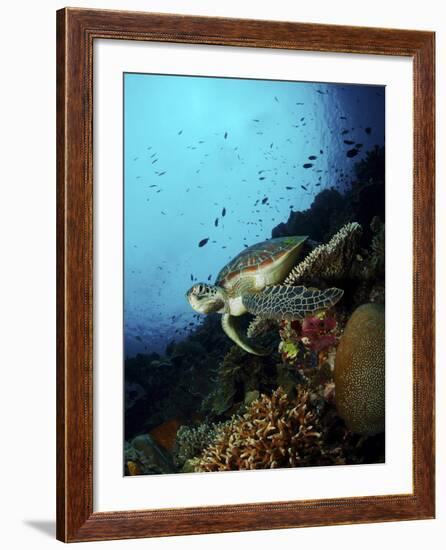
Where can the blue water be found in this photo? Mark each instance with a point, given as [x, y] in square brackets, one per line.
[223, 159]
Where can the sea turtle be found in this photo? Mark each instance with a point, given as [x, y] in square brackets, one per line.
[250, 283]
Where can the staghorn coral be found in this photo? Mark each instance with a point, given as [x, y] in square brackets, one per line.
[360, 371]
[275, 432]
[331, 261]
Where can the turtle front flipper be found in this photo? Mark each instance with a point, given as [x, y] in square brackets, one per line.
[232, 328]
[290, 302]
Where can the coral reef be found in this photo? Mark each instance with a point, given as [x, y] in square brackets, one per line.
[331, 209]
[328, 262]
[316, 399]
[191, 440]
[238, 374]
[359, 371]
[165, 433]
[143, 456]
[274, 432]
[317, 332]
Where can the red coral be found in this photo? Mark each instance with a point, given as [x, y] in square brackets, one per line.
[317, 333]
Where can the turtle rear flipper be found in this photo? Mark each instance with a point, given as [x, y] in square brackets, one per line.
[290, 302]
[231, 326]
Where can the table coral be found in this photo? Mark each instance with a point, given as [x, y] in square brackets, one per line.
[330, 261]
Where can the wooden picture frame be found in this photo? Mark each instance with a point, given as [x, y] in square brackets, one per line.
[76, 31]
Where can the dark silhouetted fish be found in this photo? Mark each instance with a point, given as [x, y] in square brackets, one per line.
[358, 145]
[348, 142]
[191, 277]
[223, 212]
[153, 161]
[320, 92]
[216, 222]
[271, 146]
[180, 132]
[352, 153]
[312, 157]
[288, 187]
[300, 103]
[161, 173]
[226, 135]
[307, 165]
[265, 200]
[203, 242]
[304, 188]
[276, 99]
[344, 132]
[256, 120]
[154, 185]
[321, 151]
[368, 130]
[262, 178]
[343, 118]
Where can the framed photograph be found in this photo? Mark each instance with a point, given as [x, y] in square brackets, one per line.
[245, 275]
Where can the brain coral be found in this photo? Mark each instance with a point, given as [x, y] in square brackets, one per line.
[360, 371]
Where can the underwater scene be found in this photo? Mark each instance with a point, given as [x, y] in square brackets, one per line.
[254, 274]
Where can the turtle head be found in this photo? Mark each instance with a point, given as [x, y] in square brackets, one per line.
[206, 298]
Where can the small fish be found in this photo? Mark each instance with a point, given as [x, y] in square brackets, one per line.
[161, 173]
[276, 99]
[288, 187]
[209, 277]
[343, 118]
[153, 161]
[256, 120]
[304, 188]
[262, 178]
[203, 242]
[223, 212]
[312, 157]
[271, 146]
[307, 165]
[348, 142]
[321, 151]
[265, 200]
[154, 185]
[344, 132]
[320, 92]
[368, 130]
[226, 135]
[358, 145]
[151, 156]
[216, 222]
[352, 153]
[191, 277]
[302, 119]
[300, 103]
[180, 132]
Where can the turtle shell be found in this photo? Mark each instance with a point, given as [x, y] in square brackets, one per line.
[257, 257]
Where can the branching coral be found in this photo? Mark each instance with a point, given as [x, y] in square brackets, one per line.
[191, 440]
[329, 261]
[275, 432]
